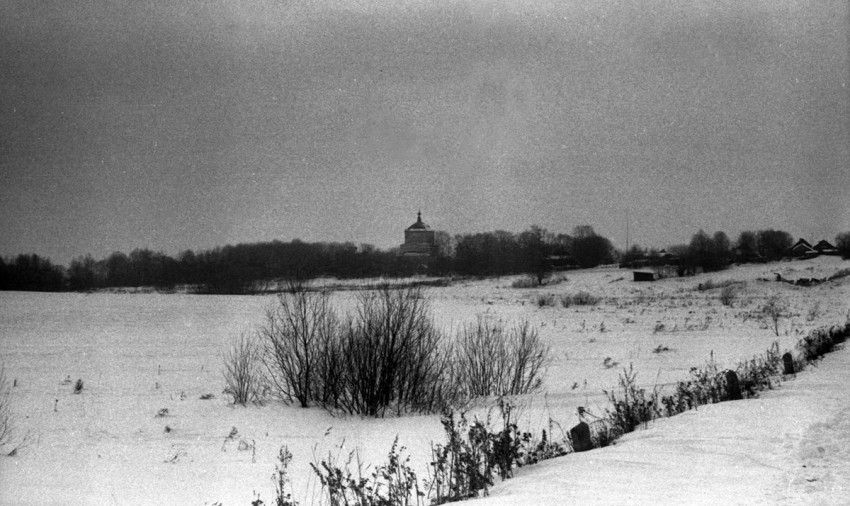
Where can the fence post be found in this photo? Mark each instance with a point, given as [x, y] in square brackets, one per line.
[580, 435]
[733, 389]
[788, 362]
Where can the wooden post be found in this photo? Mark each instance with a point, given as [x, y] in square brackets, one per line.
[788, 361]
[733, 389]
[580, 434]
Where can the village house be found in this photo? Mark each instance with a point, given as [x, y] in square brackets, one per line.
[825, 248]
[803, 249]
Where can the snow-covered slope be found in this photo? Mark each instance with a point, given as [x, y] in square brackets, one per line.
[790, 446]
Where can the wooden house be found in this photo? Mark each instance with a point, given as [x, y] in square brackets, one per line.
[825, 248]
[802, 249]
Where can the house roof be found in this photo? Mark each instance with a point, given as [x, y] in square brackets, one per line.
[802, 247]
[824, 245]
[801, 242]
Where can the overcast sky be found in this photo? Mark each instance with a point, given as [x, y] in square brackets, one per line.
[192, 124]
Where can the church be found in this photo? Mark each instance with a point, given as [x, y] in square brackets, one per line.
[419, 240]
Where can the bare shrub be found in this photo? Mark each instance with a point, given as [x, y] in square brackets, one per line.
[728, 294]
[775, 308]
[11, 441]
[394, 357]
[581, 298]
[294, 335]
[243, 373]
[555, 279]
[544, 300]
[493, 360]
[526, 282]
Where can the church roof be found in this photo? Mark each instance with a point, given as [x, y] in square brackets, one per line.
[419, 225]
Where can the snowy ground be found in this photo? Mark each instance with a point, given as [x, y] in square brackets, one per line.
[140, 353]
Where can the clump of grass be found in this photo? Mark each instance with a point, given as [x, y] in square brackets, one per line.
[283, 488]
[544, 300]
[632, 405]
[547, 448]
[465, 465]
[602, 433]
[581, 298]
[391, 483]
[609, 363]
[707, 384]
[536, 282]
[728, 294]
[526, 282]
[660, 349]
[710, 284]
[821, 341]
[555, 279]
[757, 373]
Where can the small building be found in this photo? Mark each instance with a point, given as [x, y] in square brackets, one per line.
[802, 249]
[825, 248]
[419, 240]
[644, 276]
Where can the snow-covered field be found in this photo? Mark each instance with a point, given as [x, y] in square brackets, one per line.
[139, 354]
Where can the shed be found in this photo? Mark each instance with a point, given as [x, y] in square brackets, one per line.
[644, 276]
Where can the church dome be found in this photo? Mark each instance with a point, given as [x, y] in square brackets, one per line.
[419, 225]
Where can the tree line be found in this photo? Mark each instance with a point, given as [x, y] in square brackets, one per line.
[715, 252]
[244, 268]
